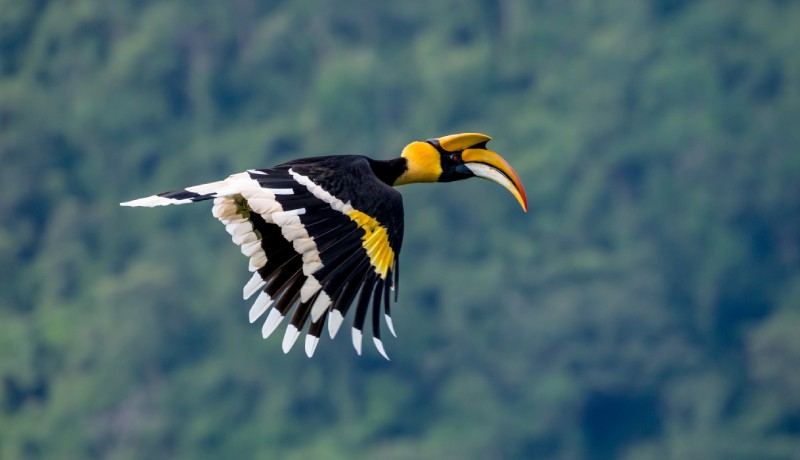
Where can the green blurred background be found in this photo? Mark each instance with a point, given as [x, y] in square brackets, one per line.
[647, 307]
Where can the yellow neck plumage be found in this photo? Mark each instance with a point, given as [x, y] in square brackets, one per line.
[423, 163]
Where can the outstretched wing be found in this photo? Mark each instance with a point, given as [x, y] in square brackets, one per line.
[321, 234]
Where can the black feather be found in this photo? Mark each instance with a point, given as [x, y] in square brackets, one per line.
[363, 301]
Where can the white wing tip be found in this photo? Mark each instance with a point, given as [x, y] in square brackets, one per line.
[262, 303]
[271, 323]
[153, 200]
[290, 337]
[252, 286]
[335, 319]
[379, 346]
[311, 345]
[390, 324]
[357, 340]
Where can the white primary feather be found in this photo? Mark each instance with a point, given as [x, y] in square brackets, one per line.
[311, 345]
[205, 189]
[154, 200]
[357, 340]
[262, 303]
[273, 320]
[289, 338]
[379, 346]
[390, 324]
[278, 191]
[320, 306]
[335, 320]
[252, 286]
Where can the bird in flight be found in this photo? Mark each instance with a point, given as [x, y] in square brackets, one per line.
[325, 233]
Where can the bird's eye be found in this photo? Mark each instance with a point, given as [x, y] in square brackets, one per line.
[455, 157]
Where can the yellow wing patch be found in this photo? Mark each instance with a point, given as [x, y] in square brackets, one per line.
[375, 241]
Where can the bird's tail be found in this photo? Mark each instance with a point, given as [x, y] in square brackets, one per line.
[185, 195]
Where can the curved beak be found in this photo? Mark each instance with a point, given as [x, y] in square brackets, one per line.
[489, 165]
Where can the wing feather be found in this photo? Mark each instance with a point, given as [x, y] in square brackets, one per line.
[361, 310]
[320, 234]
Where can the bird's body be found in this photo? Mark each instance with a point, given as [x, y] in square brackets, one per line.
[323, 233]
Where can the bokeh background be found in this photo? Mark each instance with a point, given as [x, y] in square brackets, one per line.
[646, 307]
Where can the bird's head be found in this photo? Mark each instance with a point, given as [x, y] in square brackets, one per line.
[456, 157]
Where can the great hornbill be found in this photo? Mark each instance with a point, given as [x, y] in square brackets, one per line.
[323, 233]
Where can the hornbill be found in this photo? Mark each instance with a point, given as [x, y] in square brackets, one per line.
[323, 233]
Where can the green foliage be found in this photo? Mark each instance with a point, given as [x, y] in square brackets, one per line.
[645, 307]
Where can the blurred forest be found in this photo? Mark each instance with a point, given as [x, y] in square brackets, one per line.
[647, 307]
